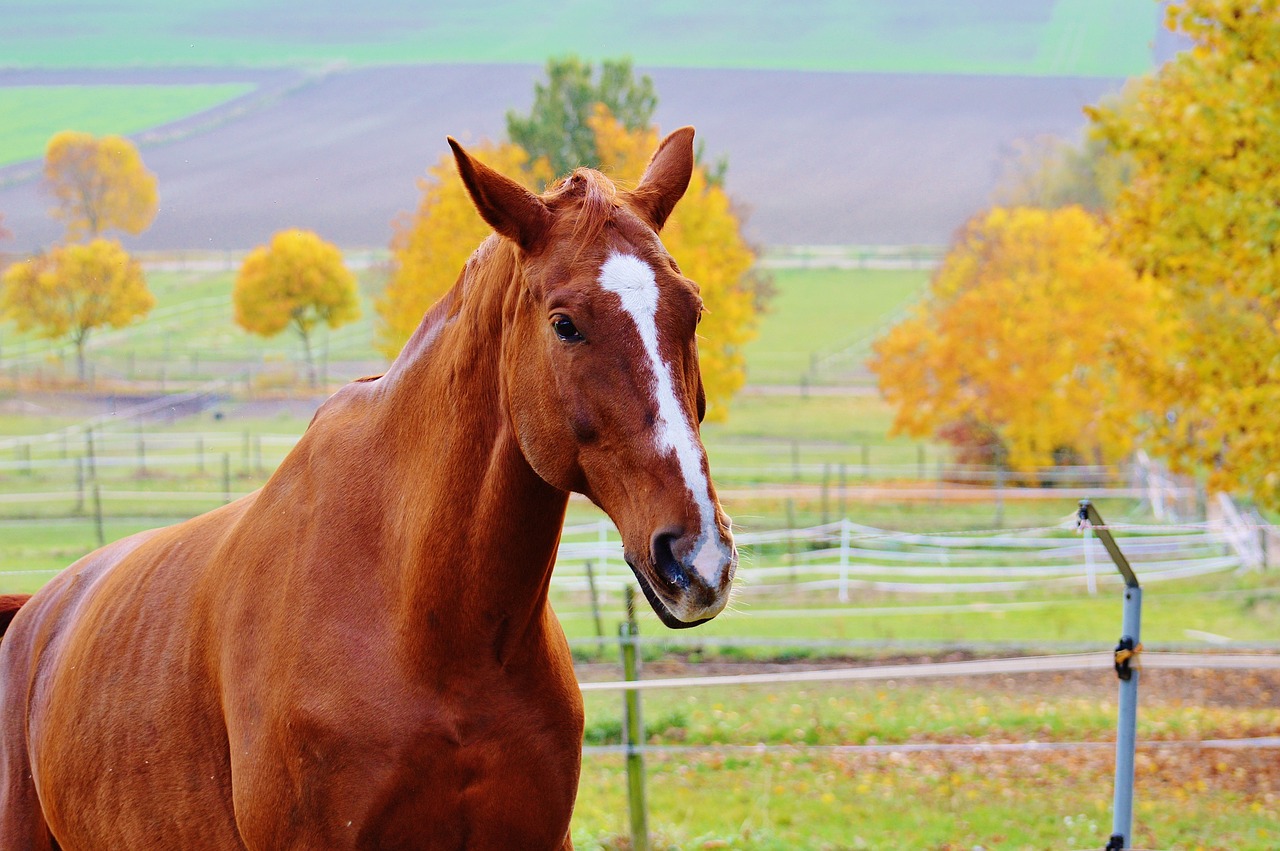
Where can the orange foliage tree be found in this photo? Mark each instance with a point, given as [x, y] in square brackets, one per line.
[99, 184]
[1200, 215]
[429, 249]
[704, 235]
[75, 289]
[298, 281]
[1025, 339]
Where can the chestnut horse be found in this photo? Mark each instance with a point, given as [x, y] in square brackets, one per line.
[361, 654]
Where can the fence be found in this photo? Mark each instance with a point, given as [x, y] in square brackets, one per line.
[1124, 659]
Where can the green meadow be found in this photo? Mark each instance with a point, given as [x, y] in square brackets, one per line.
[30, 115]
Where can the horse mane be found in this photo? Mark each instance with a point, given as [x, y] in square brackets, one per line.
[9, 605]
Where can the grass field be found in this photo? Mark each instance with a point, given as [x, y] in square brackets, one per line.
[30, 115]
[1033, 37]
[854, 306]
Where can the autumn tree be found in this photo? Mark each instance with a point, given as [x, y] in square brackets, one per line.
[99, 184]
[704, 235]
[298, 281]
[575, 116]
[429, 249]
[557, 127]
[1201, 217]
[75, 289]
[1052, 172]
[1025, 339]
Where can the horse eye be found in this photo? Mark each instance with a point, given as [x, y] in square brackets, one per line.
[565, 329]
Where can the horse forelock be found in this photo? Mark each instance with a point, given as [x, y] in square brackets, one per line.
[589, 199]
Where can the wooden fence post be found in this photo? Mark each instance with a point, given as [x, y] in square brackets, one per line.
[633, 729]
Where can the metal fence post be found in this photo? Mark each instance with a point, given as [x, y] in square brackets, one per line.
[633, 729]
[1127, 670]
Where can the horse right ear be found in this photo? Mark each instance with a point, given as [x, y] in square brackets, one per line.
[508, 207]
[666, 178]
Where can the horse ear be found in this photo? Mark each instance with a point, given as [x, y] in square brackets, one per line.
[508, 207]
[666, 178]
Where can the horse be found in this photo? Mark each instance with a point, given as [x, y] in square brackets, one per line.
[361, 654]
[9, 605]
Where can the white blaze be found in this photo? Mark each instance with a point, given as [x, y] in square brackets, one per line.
[635, 284]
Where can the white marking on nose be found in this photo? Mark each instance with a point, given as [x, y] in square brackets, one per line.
[635, 284]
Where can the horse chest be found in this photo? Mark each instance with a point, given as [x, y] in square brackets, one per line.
[498, 770]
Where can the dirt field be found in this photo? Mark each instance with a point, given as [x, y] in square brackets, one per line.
[817, 158]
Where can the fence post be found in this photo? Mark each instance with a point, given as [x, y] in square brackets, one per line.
[826, 484]
[1127, 670]
[226, 477]
[90, 467]
[844, 559]
[79, 509]
[602, 537]
[595, 603]
[97, 515]
[633, 729]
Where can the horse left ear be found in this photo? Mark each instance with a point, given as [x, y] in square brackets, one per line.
[508, 207]
[666, 178]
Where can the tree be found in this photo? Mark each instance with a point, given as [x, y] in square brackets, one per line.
[1051, 172]
[430, 248]
[557, 128]
[75, 289]
[704, 235]
[100, 184]
[1025, 339]
[298, 281]
[1200, 216]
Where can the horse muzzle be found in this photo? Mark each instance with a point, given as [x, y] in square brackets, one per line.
[686, 578]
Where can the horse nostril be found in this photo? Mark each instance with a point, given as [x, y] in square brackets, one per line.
[665, 563]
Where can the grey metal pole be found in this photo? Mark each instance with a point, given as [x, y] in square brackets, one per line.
[1126, 655]
[1127, 724]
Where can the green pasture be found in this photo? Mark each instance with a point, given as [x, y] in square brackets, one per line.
[1042, 708]
[1045, 37]
[781, 802]
[190, 333]
[1242, 609]
[819, 312]
[30, 115]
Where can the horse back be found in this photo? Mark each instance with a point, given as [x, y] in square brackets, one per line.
[103, 657]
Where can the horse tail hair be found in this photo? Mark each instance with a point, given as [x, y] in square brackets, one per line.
[9, 605]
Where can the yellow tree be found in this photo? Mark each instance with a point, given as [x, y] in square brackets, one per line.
[99, 184]
[298, 281]
[430, 248]
[1201, 215]
[75, 289]
[1026, 338]
[704, 235]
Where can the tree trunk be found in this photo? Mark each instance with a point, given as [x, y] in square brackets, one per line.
[306, 350]
[80, 340]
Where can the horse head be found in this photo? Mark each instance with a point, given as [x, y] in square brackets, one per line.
[600, 368]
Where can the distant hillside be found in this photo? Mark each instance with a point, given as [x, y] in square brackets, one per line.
[859, 121]
[1064, 38]
[816, 158]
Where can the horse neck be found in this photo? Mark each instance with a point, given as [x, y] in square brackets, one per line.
[476, 529]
